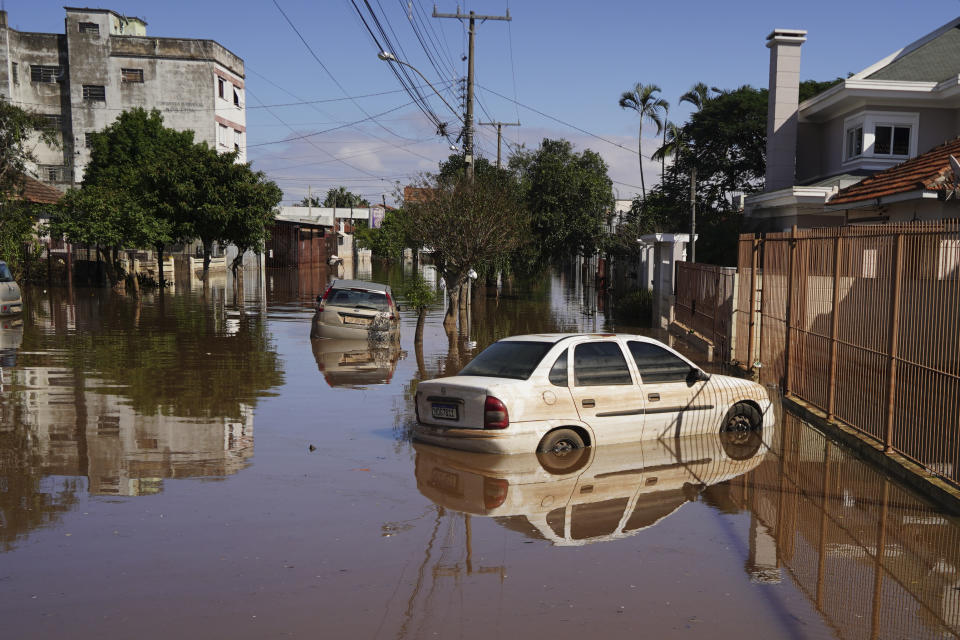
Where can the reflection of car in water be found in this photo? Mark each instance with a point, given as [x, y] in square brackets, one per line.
[356, 310]
[10, 300]
[604, 493]
[11, 335]
[352, 363]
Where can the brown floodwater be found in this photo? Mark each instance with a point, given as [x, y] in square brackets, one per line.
[193, 466]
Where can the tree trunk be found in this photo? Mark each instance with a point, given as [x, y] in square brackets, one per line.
[418, 344]
[643, 188]
[453, 353]
[207, 249]
[450, 318]
[160, 283]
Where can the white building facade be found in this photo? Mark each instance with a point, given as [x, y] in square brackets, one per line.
[103, 64]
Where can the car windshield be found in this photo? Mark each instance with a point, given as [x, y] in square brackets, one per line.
[514, 359]
[358, 299]
[5, 275]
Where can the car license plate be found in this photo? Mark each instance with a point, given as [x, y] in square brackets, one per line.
[445, 411]
[353, 320]
[445, 481]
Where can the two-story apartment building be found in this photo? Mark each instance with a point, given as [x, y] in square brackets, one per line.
[874, 147]
[103, 64]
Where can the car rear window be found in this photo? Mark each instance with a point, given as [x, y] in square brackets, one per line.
[358, 299]
[513, 359]
[5, 275]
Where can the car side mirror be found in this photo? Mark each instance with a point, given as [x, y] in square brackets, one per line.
[697, 375]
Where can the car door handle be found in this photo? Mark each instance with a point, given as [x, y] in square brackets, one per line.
[588, 402]
[653, 397]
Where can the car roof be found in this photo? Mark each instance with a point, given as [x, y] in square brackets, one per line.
[557, 337]
[360, 284]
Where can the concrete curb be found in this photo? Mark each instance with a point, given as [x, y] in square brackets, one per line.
[930, 486]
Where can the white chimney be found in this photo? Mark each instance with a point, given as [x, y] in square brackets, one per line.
[784, 98]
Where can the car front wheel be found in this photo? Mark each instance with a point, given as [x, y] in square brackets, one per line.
[740, 432]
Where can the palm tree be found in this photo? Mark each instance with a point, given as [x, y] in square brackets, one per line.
[643, 99]
[698, 95]
[673, 142]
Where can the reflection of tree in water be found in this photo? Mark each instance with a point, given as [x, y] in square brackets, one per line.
[27, 499]
[182, 356]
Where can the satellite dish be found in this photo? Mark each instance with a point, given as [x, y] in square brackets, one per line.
[956, 168]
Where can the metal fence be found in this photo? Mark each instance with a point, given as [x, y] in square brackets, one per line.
[863, 322]
[875, 560]
[704, 302]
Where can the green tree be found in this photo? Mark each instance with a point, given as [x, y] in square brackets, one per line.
[254, 202]
[468, 225]
[20, 132]
[650, 107]
[567, 194]
[340, 197]
[309, 201]
[128, 160]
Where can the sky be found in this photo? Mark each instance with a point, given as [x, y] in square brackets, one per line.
[324, 111]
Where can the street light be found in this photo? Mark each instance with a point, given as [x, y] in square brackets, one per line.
[389, 57]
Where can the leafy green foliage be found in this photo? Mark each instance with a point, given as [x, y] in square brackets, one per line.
[340, 197]
[19, 131]
[634, 308]
[418, 293]
[567, 194]
[388, 240]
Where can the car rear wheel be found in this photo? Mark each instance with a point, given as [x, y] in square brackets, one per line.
[740, 432]
[560, 442]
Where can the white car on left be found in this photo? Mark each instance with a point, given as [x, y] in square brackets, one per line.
[11, 301]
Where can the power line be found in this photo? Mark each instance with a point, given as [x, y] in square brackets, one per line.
[343, 126]
[332, 77]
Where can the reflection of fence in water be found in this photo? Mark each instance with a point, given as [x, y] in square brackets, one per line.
[863, 550]
[862, 322]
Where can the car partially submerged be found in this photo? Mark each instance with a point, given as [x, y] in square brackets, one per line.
[356, 310]
[562, 392]
[11, 301]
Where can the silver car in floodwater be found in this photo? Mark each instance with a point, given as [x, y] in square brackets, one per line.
[356, 310]
[11, 301]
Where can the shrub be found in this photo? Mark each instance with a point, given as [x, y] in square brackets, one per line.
[634, 307]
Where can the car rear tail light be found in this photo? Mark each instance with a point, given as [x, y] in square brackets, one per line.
[390, 306]
[495, 414]
[324, 298]
[494, 492]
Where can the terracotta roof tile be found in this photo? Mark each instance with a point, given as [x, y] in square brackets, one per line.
[929, 171]
[38, 192]
[417, 194]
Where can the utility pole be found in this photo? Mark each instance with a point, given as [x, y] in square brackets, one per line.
[500, 126]
[693, 215]
[468, 120]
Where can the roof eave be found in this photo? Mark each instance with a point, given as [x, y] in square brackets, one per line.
[903, 196]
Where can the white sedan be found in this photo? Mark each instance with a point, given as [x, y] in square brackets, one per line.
[562, 392]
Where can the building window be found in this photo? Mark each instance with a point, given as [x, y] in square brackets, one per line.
[891, 140]
[88, 139]
[220, 87]
[854, 142]
[237, 139]
[131, 75]
[236, 97]
[222, 135]
[54, 121]
[90, 27]
[44, 73]
[51, 173]
[14, 75]
[94, 93]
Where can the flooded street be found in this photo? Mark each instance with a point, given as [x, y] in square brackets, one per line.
[196, 467]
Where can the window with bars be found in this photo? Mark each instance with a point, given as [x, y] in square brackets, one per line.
[54, 121]
[51, 173]
[131, 75]
[88, 139]
[94, 93]
[89, 27]
[14, 74]
[44, 73]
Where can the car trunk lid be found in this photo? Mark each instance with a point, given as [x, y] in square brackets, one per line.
[455, 402]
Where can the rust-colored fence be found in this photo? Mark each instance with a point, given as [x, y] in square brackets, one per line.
[704, 302]
[869, 555]
[863, 322]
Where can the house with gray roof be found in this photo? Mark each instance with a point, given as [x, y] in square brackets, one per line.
[896, 119]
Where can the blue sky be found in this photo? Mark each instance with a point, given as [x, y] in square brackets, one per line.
[570, 60]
